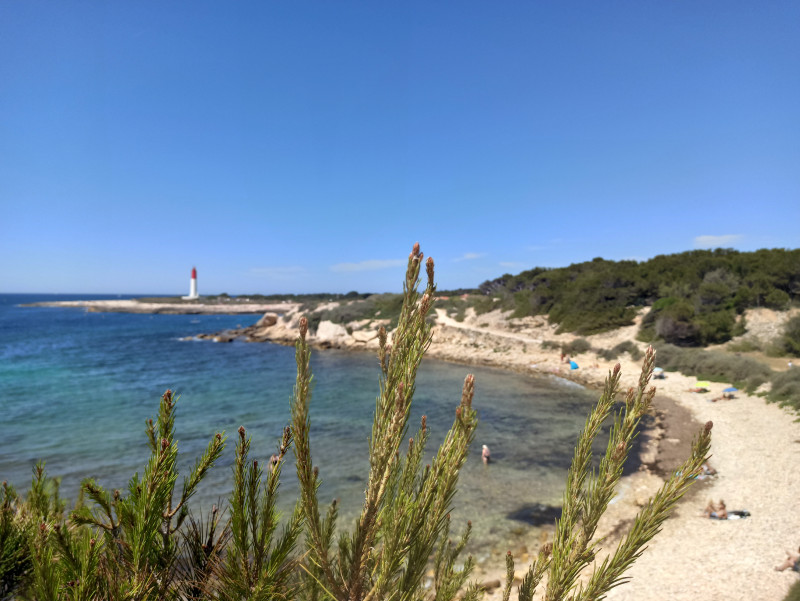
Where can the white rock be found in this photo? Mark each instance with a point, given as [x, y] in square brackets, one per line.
[332, 333]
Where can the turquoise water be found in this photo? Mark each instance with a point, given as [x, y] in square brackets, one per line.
[76, 389]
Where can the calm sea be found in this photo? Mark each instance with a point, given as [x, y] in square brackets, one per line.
[76, 389]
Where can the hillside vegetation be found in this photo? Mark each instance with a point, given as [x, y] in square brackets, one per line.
[695, 297]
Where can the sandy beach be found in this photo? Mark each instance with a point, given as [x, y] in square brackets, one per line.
[755, 448]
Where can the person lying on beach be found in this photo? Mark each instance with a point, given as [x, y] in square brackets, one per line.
[697, 389]
[720, 512]
[716, 512]
[791, 562]
[707, 472]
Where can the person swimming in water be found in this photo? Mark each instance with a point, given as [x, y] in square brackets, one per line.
[486, 455]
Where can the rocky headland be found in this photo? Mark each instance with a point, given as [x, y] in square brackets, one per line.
[172, 306]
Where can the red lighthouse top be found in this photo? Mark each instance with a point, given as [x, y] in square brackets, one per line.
[194, 273]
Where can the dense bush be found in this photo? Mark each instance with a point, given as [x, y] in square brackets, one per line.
[623, 347]
[794, 592]
[695, 295]
[576, 347]
[744, 346]
[744, 372]
[786, 388]
[374, 306]
[789, 342]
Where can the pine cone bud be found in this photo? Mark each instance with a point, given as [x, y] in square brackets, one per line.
[241, 431]
[303, 327]
[164, 444]
[429, 270]
[316, 472]
[708, 426]
[424, 425]
[617, 367]
[415, 250]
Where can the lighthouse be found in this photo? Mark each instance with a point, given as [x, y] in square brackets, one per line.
[192, 286]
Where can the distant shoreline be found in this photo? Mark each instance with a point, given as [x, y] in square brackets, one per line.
[171, 307]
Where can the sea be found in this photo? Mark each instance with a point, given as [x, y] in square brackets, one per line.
[77, 387]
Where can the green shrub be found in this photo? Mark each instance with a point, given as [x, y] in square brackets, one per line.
[623, 347]
[789, 342]
[576, 347]
[794, 592]
[747, 345]
[484, 304]
[786, 388]
[695, 294]
[719, 366]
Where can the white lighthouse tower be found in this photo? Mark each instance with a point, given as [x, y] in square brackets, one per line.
[192, 287]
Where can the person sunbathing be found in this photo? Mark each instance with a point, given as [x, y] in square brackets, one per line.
[791, 562]
[716, 512]
[720, 512]
[707, 472]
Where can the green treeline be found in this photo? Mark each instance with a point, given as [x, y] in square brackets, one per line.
[695, 296]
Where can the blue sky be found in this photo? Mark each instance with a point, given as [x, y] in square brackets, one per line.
[305, 146]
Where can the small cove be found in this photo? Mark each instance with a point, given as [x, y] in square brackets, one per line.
[77, 387]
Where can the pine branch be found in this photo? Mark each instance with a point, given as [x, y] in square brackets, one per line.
[649, 522]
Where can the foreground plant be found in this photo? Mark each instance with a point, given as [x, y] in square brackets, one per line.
[406, 506]
[145, 545]
[588, 494]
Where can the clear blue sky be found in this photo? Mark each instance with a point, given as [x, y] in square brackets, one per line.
[305, 146]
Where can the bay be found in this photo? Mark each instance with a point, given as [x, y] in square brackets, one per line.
[76, 388]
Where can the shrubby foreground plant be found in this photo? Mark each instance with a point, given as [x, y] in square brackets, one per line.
[144, 544]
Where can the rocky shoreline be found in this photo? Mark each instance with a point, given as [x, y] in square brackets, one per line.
[189, 307]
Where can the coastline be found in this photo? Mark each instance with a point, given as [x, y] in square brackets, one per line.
[170, 308]
[755, 447]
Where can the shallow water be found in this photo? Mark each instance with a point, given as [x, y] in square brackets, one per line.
[76, 389]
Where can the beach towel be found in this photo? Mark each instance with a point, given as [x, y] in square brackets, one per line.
[732, 515]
